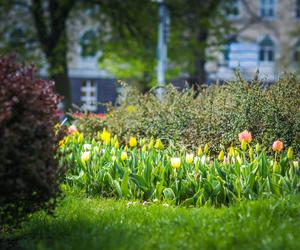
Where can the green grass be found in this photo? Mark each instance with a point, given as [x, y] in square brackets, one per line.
[96, 223]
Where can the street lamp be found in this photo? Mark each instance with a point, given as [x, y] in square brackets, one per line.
[163, 29]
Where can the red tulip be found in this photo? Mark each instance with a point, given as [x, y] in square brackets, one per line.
[277, 146]
[245, 136]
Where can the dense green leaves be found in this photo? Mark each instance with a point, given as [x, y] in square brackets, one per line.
[151, 175]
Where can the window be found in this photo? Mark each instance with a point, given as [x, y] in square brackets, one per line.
[88, 43]
[232, 8]
[297, 8]
[267, 8]
[266, 50]
[226, 51]
[296, 55]
[89, 96]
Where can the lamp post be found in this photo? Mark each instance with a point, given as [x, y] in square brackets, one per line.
[163, 28]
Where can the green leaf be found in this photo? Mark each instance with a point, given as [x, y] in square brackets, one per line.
[124, 184]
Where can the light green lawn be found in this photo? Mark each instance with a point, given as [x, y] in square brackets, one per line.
[95, 223]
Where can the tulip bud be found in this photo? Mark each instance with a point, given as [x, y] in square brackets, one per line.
[132, 142]
[206, 148]
[277, 146]
[290, 153]
[189, 158]
[116, 145]
[200, 152]
[144, 149]
[175, 162]
[251, 154]
[257, 148]
[151, 144]
[124, 156]
[231, 152]
[221, 156]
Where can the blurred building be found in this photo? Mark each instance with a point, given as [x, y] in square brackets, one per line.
[265, 39]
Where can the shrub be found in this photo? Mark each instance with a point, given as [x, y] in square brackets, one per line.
[28, 114]
[215, 116]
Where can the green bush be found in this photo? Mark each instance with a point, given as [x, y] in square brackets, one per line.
[28, 170]
[215, 116]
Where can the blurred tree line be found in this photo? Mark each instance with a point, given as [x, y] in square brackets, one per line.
[126, 35]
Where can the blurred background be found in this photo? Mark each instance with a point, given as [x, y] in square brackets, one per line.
[88, 47]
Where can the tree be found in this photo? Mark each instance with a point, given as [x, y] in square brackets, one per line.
[197, 25]
[43, 28]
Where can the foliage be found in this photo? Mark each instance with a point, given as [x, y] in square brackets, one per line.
[93, 223]
[214, 117]
[28, 172]
[150, 171]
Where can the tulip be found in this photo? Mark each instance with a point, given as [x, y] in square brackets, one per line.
[144, 149]
[277, 146]
[113, 158]
[132, 142]
[85, 156]
[86, 147]
[290, 153]
[257, 148]
[200, 152]
[245, 136]
[105, 136]
[251, 154]
[206, 148]
[72, 130]
[116, 144]
[189, 158]
[175, 162]
[159, 144]
[151, 143]
[221, 156]
[231, 151]
[124, 156]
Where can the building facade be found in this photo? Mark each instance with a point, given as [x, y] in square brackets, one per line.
[265, 39]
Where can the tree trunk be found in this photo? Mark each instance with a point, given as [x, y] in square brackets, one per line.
[199, 76]
[58, 72]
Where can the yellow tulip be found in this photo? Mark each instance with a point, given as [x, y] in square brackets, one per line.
[189, 158]
[159, 144]
[221, 156]
[231, 151]
[132, 142]
[151, 143]
[116, 144]
[206, 148]
[144, 149]
[290, 153]
[85, 156]
[105, 136]
[257, 148]
[200, 152]
[175, 162]
[251, 154]
[124, 156]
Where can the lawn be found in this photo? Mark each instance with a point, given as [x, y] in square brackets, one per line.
[82, 222]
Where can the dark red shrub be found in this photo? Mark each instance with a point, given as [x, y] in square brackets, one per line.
[28, 114]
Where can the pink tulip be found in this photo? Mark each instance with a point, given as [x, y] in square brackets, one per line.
[72, 129]
[245, 136]
[277, 146]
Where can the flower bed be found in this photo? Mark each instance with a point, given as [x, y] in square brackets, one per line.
[147, 170]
